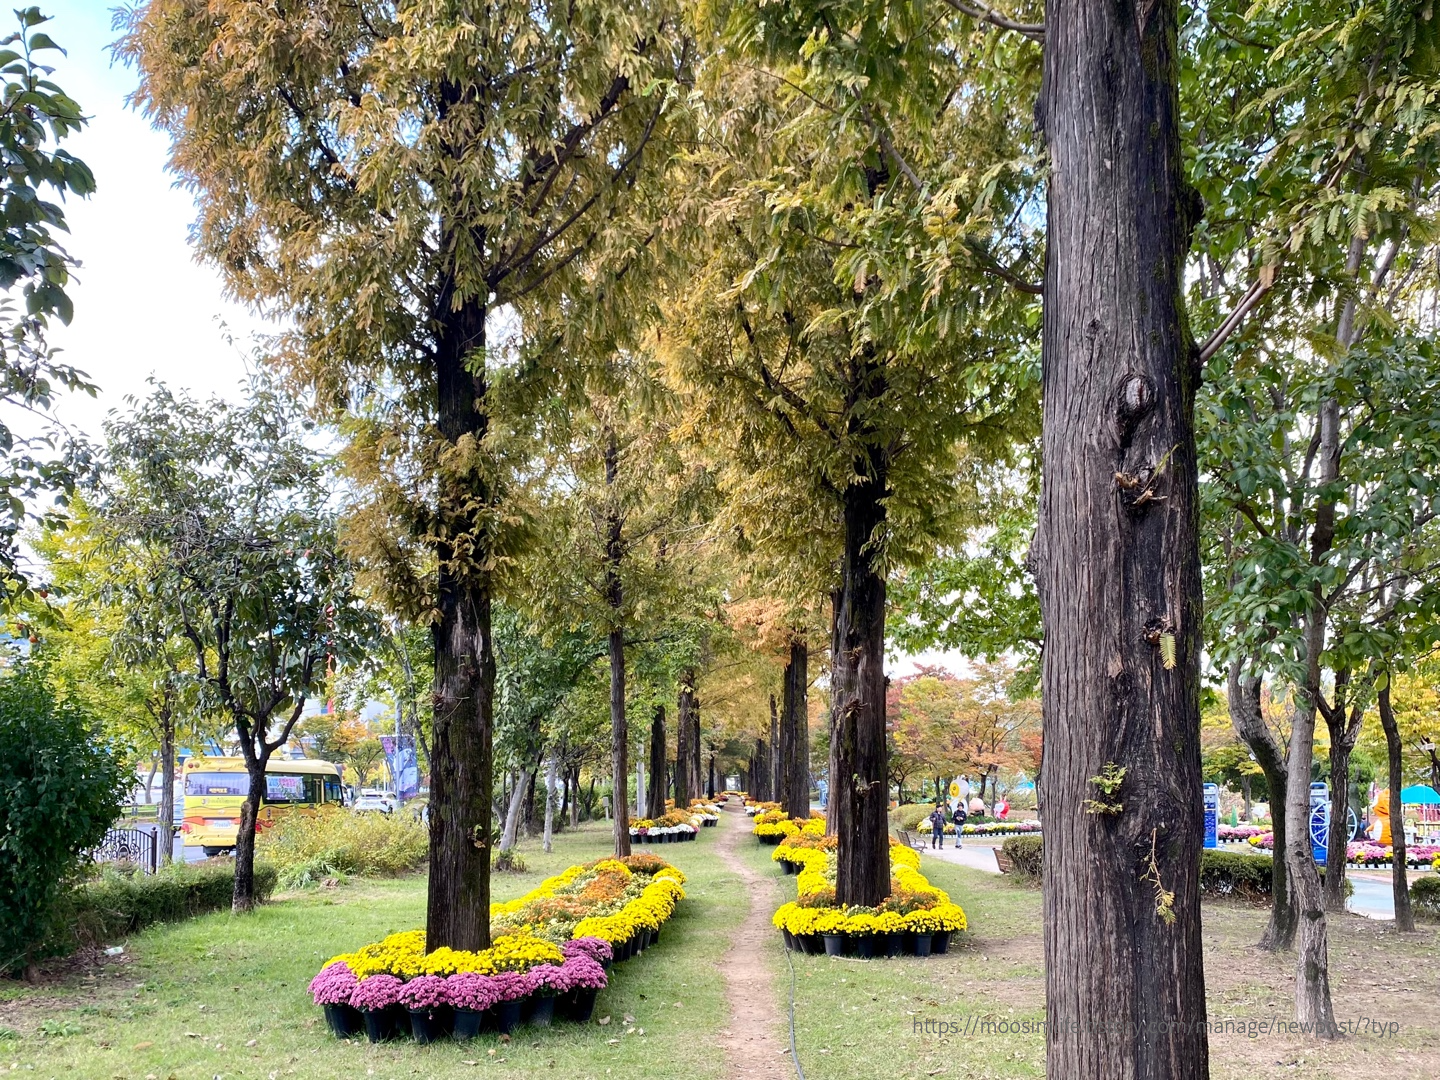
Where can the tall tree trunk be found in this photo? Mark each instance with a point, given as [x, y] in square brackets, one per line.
[1245, 797]
[860, 791]
[1312, 953]
[710, 787]
[242, 898]
[656, 806]
[1404, 916]
[150, 777]
[1249, 723]
[461, 783]
[549, 802]
[614, 598]
[1116, 555]
[529, 801]
[761, 768]
[1344, 728]
[793, 750]
[165, 835]
[511, 831]
[697, 778]
[683, 730]
[777, 758]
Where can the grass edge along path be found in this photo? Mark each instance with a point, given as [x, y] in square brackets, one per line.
[225, 996]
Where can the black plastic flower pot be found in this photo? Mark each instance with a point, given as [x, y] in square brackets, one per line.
[507, 1016]
[790, 943]
[382, 1025]
[894, 943]
[814, 944]
[940, 942]
[432, 1025]
[577, 1006]
[864, 945]
[834, 944]
[344, 1021]
[468, 1023]
[539, 1010]
[923, 943]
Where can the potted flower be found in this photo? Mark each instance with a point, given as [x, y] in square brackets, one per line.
[470, 995]
[378, 999]
[431, 1017]
[576, 984]
[331, 989]
[511, 990]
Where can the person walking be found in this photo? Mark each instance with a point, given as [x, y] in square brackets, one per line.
[937, 828]
[958, 819]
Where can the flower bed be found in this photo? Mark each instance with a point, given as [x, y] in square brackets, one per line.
[753, 808]
[673, 826]
[774, 826]
[1366, 852]
[1000, 828]
[547, 961]
[915, 919]
[1234, 833]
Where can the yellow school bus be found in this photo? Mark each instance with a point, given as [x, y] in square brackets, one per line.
[215, 787]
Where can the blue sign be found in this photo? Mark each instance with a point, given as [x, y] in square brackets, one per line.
[1319, 820]
[1212, 815]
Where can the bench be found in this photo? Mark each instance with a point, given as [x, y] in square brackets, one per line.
[1002, 860]
[910, 840]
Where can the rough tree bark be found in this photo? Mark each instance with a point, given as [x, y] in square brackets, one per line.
[683, 791]
[165, 835]
[793, 749]
[1116, 555]
[655, 807]
[1404, 916]
[760, 768]
[697, 777]
[1249, 724]
[1344, 728]
[777, 760]
[859, 783]
[458, 907]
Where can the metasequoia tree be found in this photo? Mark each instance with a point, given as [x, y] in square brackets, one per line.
[385, 174]
[1116, 554]
[847, 370]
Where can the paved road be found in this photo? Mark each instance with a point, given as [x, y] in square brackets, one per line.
[976, 856]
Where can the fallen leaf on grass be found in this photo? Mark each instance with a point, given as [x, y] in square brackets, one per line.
[603, 1021]
[143, 1045]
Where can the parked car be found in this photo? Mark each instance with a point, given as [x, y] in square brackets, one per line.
[375, 799]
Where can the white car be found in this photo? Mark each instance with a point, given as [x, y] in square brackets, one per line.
[375, 799]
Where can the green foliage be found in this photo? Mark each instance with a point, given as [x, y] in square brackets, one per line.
[1425, 895]
[61, 788]
[1025, 855]
[35, 117]
[307, 848]
[115, 905]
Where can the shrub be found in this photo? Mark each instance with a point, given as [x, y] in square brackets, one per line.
[60, 790]
[1222, 873]
[1425, 896]
[117, 904]
[1025, 854]
[308, 847]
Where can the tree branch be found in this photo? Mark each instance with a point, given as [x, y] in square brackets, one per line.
[982, 12]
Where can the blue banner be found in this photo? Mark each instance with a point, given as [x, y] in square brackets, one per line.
[1212, 815]
[1319, 820]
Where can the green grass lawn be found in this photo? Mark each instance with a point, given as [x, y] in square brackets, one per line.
[225, 997]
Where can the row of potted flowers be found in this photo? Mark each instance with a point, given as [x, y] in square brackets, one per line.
[775, 826]
[1366, 852]
[1233, 833]
[549, 952]
[675, 826]
[916, 919]
[465, 1003]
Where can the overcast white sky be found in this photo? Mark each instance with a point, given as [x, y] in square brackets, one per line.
[143, 306]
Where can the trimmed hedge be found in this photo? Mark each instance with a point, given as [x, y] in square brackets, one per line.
[1425, 895]
[1222, 873]
[116, 905]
